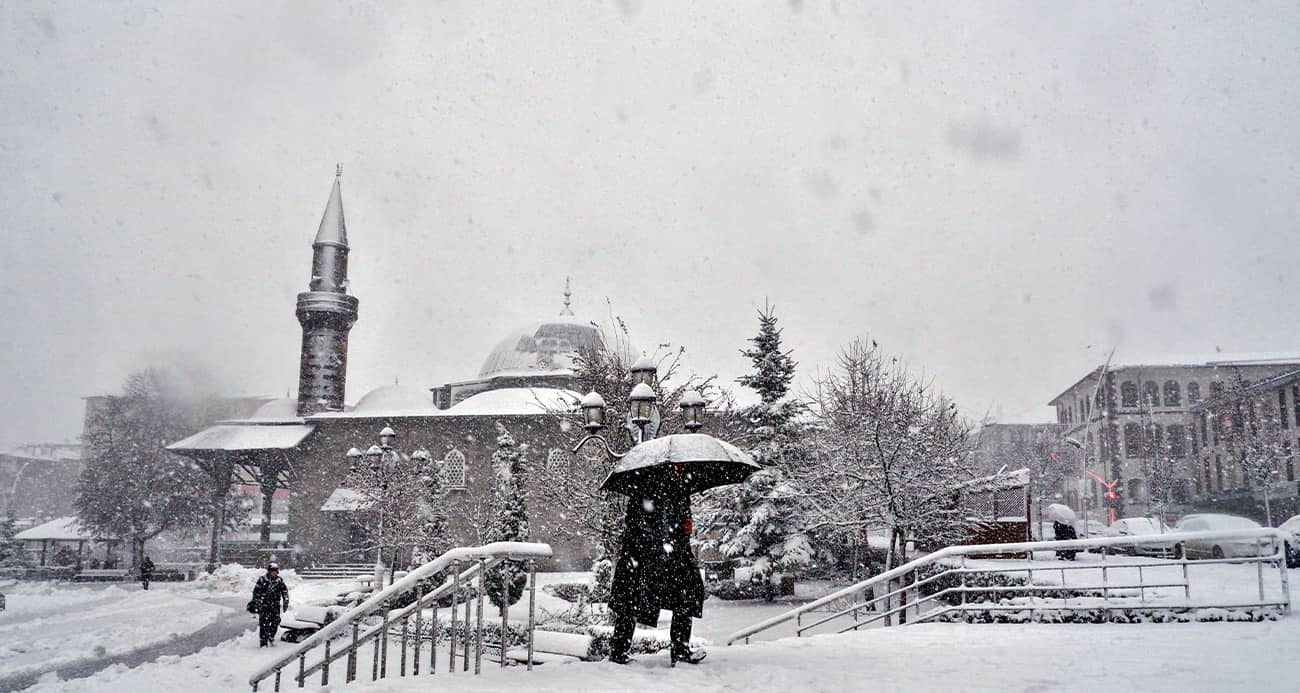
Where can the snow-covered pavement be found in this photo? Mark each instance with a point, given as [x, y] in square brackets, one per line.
[46, 626]
[926, 657]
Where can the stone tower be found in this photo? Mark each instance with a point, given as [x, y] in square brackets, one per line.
[326, 313]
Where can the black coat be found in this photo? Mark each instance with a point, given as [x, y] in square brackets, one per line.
[270, 596]
[656, 568]
[146, 569]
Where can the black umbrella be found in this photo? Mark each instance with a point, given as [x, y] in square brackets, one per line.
[693, 461]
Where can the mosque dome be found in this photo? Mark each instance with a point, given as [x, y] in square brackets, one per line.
[393, 398]
[282, 408]
[543, 347]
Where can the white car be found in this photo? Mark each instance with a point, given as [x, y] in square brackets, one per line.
[1218, 548]
[1141, 527]
[1292, 528]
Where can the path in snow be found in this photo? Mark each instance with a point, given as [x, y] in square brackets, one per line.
[227, 626]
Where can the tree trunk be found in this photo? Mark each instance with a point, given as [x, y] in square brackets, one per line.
[137, 553]
[268, 495]
[1268, 507]
[220, 488]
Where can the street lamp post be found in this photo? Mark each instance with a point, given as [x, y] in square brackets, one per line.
[380, 459]
[643, 405]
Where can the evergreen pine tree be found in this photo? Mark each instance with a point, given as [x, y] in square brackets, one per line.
[506, 581]
[762, 524]
[11, 550]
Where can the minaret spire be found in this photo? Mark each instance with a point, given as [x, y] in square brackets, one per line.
[326, 313]
[566, 311]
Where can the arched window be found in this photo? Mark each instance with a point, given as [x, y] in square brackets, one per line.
[1154, 440]
[1177, 441]
[453, 470]
[1193, 393]
[1133, 439]
[557, 461]
[1128, 394]
[1173, 394]
[1150, 394]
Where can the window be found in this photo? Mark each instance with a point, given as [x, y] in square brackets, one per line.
[1128, 394]
[453, 470]
[557, 461]
[1295, 402]
[1208, 480]
[1136, 489]
[1282, 418]
[1153, 440]
[1133, 439]
[1173, 394]
[1205, 427]
[1150, 394]
[1177, 441]
[1193, 393]
[1218, 472]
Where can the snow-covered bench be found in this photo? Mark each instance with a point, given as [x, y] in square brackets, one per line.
[550, 647]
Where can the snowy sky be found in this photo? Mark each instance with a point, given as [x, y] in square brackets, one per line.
[998, 193]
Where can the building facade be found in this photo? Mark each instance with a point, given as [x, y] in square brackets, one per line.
[1138, 428]
[1249, 441]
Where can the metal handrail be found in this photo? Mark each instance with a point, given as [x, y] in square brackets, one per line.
[479, 558]
[965, 552]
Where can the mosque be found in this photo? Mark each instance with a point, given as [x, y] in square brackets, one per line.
[300, 444]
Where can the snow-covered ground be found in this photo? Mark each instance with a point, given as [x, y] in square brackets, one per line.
[46, 625]
[1023, 657]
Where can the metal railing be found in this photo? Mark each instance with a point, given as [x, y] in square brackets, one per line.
[956, 583]
[406, 629]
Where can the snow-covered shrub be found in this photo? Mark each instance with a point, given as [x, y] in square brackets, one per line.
[602, 577]
[233, 577]
[644, 641]
[569, 591]
[739, 589]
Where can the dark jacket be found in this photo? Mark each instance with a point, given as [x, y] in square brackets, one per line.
[656, 568]
[146, 569]
[270, 596]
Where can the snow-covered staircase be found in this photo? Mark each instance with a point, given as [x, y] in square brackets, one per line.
[336, 571]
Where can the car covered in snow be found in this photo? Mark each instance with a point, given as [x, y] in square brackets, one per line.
[1141, 527]
[1292, 529]
[1218, 547]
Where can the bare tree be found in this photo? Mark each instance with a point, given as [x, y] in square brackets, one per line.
[405, 520]
[890, 452]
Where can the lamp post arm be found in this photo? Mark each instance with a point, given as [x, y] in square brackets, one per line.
[604, 443]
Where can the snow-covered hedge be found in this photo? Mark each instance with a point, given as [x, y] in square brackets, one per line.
[569, 591]
[235, 578]
[739, 589]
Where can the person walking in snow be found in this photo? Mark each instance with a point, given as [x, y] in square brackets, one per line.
[146, 572]
[656, 568]
[270, 597]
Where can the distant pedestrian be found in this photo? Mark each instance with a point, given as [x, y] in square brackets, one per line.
[1063, 519]
[146, 572]
[270, 597]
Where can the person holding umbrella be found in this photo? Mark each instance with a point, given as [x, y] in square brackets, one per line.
[656, 568]
[1063, 520]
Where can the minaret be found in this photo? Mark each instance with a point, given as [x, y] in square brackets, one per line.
[326, 313]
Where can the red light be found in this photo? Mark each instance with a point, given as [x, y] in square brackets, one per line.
[1111, 495]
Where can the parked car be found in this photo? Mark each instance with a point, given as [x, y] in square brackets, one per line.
[1140, 527]
[1292, 528]
[1218, 548]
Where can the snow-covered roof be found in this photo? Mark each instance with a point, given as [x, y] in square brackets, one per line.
[345, 500]
[47, 451]
[515, 400]
[1137, 361]
[60, 529]
[230, 436]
